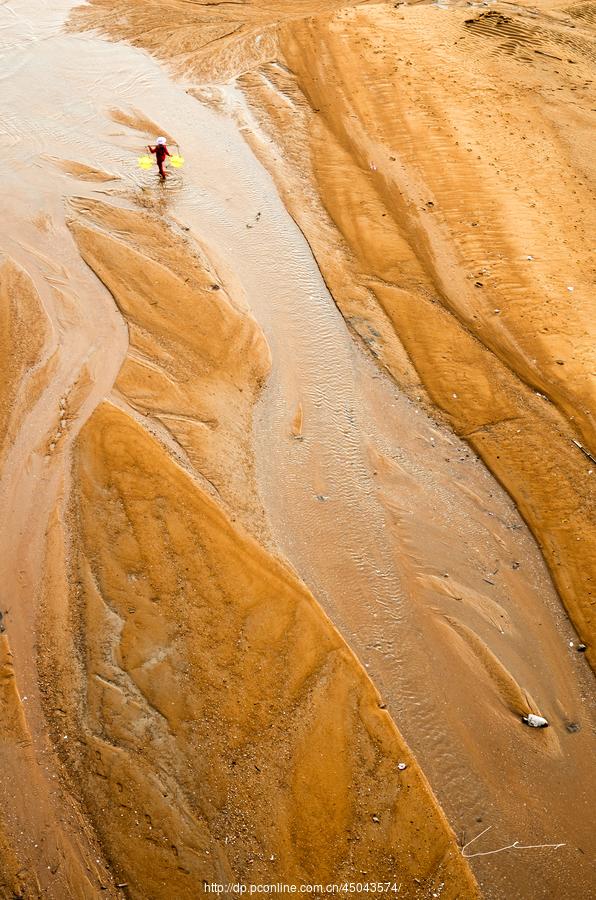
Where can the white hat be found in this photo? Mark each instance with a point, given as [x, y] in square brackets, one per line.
[160, 140]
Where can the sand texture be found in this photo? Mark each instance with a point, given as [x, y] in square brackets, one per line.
[297, 449]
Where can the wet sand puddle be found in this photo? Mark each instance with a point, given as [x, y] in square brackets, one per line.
[412, 549]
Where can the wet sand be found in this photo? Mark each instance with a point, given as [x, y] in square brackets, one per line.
[238, 506]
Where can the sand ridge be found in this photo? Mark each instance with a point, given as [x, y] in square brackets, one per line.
[196, 360]
[24, 330]
[166, 679]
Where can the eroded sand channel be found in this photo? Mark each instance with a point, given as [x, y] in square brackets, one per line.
[412, 549]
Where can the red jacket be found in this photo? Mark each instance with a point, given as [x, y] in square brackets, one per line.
[161, 151]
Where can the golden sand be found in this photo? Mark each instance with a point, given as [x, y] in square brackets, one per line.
[176, 705]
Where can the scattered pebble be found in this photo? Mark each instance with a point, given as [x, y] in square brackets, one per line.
[401, 766]
[535, 721]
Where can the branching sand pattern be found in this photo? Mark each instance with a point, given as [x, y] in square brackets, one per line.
[266, 616]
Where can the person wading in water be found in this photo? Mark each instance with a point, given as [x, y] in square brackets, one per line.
[161, 151]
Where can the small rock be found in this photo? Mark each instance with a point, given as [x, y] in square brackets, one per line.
[376, 819]
[535, 721]
[401, 766]
[573, 727]
[560, 362]
[581, 648]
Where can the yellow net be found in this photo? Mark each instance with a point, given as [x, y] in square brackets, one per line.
[145, 162]
[177, 161]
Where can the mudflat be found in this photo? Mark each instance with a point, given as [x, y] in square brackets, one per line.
[297, 448]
